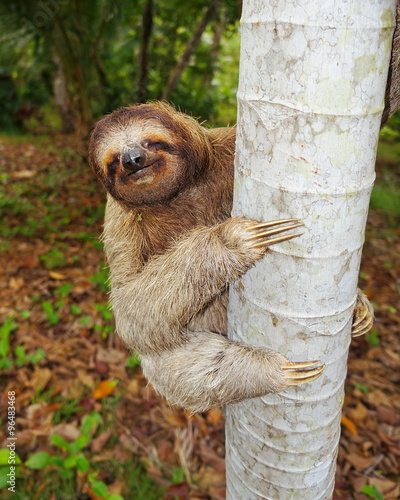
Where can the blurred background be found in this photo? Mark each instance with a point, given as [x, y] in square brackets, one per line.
[65, 62]
[88, 427]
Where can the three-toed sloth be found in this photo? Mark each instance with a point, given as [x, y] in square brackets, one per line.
[173, 250]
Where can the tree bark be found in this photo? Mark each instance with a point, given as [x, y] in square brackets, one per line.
[310, 101]
[176, 74]
[143, 76]
[218, 32]
[62, 97]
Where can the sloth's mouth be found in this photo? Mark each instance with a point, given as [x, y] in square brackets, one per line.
[145, 167]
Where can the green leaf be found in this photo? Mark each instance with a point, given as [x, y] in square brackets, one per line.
[133, 361]
[20, 355]
[59, 441]
[4, 456]
[82, 441]
[5, 363]
[3, 476]
[70, 462]
[39, 460]
[66, 473]
[115, 497]
[99, 488]
[89, 421]
[372, 492]
[82, 464]
[37, 356]
[56, 460]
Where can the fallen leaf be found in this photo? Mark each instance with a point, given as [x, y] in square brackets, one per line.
[57, 276]
[41, 377]
[110, 356]
[385, 486]
[23, 174]
[98, 443]
[358, 414]
[134, 387]
[16, 283]
[359, 462]
[214, 416]
[178, 491]
[379, 398]
[175, 417]
[85, 378]
[68, 431]
[165, 451]
[208, 478]
[350, 426]
[105, 388]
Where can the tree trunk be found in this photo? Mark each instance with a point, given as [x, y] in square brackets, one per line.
[62, 97]
[76, 76]
[218, 32]
[209, 14]
[147, 24]
[310, 101]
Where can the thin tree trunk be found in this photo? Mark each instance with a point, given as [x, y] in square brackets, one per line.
[218, 32]
[176, 74]
[311, 95]
[147, 24]
[77, 79]
[62, 97]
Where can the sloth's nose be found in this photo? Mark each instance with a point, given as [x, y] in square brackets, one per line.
[133, 159]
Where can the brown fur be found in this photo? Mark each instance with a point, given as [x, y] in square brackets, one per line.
[173, 249]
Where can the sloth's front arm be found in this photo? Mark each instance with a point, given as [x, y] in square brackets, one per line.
[153, 306]
[202, 369]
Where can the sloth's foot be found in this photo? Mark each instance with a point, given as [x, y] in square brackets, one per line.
[302, 372]
[261, 238]
[363, 316]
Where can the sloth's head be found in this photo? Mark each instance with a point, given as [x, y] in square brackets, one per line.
[148, 153]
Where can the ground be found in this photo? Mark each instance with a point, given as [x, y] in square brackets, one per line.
[87, 424]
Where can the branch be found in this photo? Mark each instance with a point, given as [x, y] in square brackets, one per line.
[190, 48]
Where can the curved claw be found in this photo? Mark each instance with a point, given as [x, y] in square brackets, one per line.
[363, 328]
[363, 316]
[262, 239]
[297, 375]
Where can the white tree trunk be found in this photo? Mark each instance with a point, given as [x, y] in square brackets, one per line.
[311, 95]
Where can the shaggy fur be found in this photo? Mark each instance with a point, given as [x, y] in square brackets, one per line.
[173, 249]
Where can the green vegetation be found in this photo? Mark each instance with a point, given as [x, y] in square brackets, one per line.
[372, 492]
[103, 58]
[15, 357]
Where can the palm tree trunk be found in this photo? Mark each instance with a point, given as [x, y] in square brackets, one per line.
[310, 101]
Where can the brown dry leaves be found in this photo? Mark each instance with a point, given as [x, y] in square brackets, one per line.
[84, 366]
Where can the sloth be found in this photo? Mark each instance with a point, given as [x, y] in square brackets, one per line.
[173, 249]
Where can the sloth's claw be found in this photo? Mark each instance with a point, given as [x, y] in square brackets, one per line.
[361, 328]
[363, 316]
[263, 238]
[296, 373]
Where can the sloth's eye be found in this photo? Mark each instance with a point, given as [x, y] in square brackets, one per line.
[156, 145]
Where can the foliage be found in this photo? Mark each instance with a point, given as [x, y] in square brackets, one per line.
[96, 45]
[372, 492]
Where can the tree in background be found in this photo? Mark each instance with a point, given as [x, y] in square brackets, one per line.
[311, 96]
[92, 57]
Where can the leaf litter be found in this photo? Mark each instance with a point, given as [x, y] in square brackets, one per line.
[64, 362]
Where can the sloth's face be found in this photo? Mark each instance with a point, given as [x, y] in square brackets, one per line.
[139, 159]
